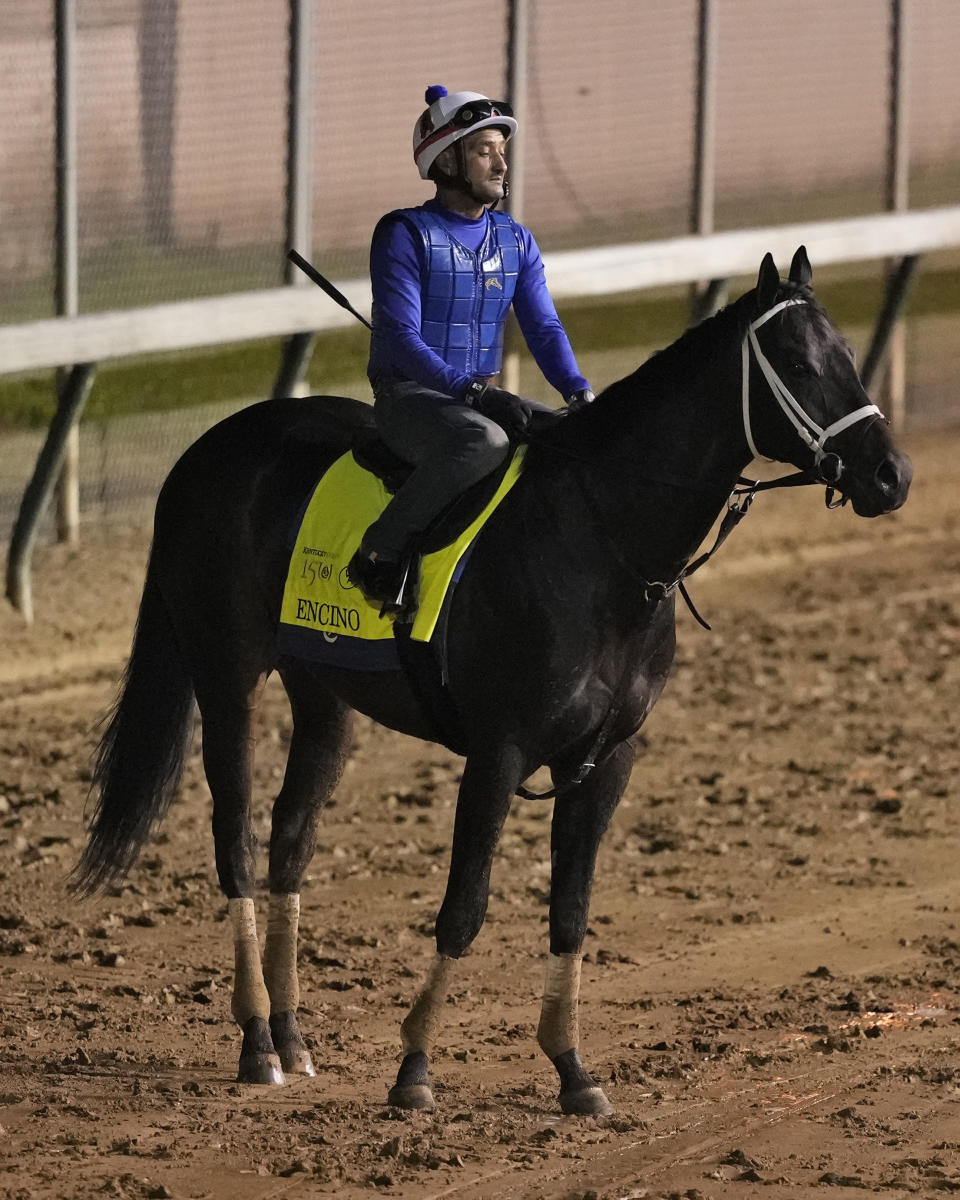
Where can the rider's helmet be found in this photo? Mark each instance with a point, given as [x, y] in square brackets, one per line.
[448, 118]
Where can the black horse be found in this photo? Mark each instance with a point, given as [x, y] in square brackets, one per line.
[559, 641]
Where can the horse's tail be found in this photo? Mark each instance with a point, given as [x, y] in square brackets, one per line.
[141, 756]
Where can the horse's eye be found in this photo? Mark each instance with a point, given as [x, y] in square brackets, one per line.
[801, 368]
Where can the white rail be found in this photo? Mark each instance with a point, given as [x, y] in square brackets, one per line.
[604, 270]
[610, 269]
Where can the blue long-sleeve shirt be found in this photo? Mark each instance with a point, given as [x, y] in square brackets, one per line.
[397, 262]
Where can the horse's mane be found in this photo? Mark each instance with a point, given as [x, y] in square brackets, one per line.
[676, 370]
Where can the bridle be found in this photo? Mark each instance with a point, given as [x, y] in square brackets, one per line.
[828, 466]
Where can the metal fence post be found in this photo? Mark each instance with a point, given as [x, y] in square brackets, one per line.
[74, 383]
[157, 48]
[883, 341]
[73, 395]
[706, 297]
[898, 275]
[66, 283]
[703, 192]
[299, 225]
[295, 358]
[517, 34]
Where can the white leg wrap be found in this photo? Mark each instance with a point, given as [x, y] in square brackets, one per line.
[280, 952]
[559, 1029]
[250, 997]
[418, 1030]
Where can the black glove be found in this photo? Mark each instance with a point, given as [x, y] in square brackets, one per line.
[579, 400]
[512, 413]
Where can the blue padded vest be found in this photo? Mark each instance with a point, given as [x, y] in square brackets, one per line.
[465, 297]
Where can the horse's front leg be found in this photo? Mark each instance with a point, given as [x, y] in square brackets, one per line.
[580, 817]
[482, 806]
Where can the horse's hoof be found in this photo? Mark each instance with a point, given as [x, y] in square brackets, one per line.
[580, 1095]
[412, 1089]
[586, 1102]
[412, 1096]
[296, 1060]
[261, 1068]
[287, 1041]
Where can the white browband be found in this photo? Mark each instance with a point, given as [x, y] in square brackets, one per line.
[808, 429]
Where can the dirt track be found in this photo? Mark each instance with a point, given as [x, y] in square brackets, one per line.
[772, 989]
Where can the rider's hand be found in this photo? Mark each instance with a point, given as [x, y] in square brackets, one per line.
[580, 399]
[512, 413]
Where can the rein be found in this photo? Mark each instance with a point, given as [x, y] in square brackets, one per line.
[827, 468]
[653, 592]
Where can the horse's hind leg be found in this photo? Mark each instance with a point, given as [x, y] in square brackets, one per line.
[318, 750]
[580, 817]
[227, 701]
[482, 807]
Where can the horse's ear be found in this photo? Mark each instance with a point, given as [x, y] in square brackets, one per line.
[768, 282]
[800, 270]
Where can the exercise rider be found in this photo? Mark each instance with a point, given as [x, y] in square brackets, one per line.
[444, 276]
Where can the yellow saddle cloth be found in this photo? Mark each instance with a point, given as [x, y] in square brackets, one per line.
[323, 616]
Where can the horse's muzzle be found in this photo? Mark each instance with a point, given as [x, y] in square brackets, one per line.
[888, 488]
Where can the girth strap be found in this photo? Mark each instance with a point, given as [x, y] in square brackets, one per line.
[593, 757]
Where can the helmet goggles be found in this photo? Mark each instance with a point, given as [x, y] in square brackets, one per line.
[478, 110]
[466, 116]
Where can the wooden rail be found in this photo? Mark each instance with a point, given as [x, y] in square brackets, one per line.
[604, 270]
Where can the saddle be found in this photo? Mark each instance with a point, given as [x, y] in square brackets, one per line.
[373, 454]
[320, 597]
[324, 618]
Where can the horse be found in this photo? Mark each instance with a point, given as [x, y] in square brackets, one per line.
[560, 639]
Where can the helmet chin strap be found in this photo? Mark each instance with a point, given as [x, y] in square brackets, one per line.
[461, 181]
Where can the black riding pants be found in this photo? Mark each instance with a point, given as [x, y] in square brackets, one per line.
[451, 447]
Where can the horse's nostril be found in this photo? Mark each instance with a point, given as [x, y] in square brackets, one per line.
[887, 475]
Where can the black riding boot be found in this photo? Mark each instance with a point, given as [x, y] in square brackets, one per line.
[380, 579]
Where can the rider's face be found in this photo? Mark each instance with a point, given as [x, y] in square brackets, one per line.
[485, 155]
